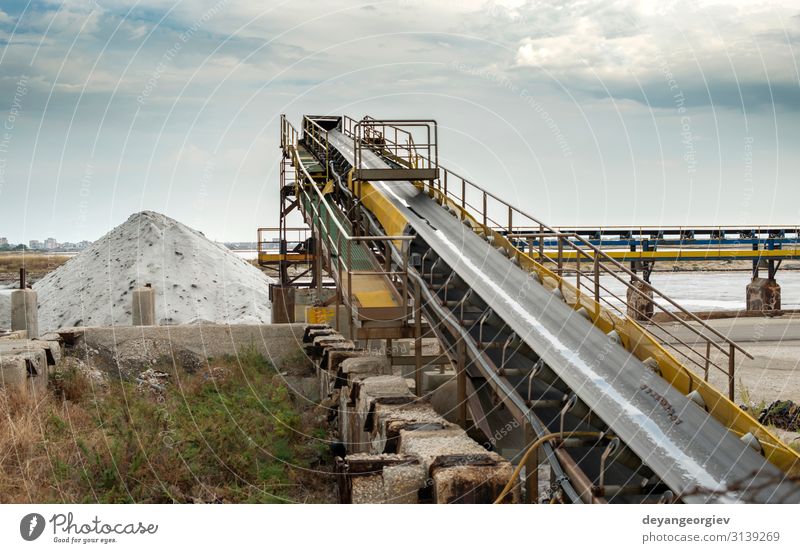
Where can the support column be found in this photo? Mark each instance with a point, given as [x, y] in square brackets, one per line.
[417, 340]
[531, 468]
[640, 301]
[24, 312]
[763, 294]
[461, 383]
[282, 298]
[143, 310]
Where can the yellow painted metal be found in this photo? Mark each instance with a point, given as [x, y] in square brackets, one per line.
[370, 290]
[320, 315]
[374, 298]
[277, 257]
[634, 337]
[393, 222]
[696, 255]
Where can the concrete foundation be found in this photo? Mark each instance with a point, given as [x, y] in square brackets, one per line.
[431, 380]
[282, 304]
[763, 294]
[398, 449]
[24, 364]
[25, 312]
[640, 305]
[144, 307]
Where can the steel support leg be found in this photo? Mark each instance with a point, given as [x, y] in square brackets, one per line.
[531, 469]
[417, 340]
[461, 383]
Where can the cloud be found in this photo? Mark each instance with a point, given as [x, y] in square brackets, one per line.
[743, 55]
[475, 65]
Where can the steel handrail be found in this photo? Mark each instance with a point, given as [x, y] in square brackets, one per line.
[357, 130]
[655, 290]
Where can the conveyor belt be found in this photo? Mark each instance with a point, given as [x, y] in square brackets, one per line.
[642, 409]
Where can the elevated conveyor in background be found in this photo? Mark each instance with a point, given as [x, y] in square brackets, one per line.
[531, 346]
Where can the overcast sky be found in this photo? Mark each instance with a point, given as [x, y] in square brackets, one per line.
[579, 112]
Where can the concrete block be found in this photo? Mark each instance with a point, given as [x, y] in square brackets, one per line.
[380, 479]
[368, 489]
[333, 356]
[462, 471]
[431, 380]
[763, 294]
[310, 331]
[320, 343]
[361, 367]
[402, 483]
[52, 349]
[24, 372]
[357, 406]
[25, 312]
[428, 445]
[143, 312]
[387, 419]
[471, 481]
[383, 386]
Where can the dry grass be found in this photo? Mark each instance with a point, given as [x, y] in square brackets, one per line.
[33, 262]
[227, 435]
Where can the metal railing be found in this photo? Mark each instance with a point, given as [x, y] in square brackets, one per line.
[270, 238]
[496, 215]
[410, 143]
[336, 241]
[315, 136]
[516, 224]
[591, 281]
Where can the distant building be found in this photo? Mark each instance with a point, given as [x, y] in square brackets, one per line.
[3, 241]
[68, 246]
[35, 245]
[50, 244]
[83, 244]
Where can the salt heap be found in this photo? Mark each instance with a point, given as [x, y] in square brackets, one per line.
[194, 278]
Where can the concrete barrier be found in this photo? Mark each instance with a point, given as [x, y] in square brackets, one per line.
[278, 343]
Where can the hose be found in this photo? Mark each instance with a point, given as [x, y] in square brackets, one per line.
[534, 447]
